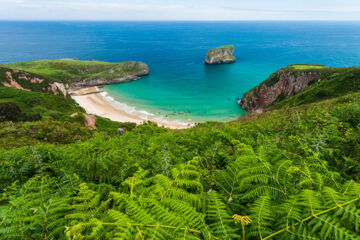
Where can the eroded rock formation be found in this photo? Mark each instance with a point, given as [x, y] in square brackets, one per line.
[279, 85]
[220, 55]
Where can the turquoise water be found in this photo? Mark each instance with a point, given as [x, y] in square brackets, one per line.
[180, 86]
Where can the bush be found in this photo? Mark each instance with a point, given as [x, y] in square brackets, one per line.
[9, 111]
[350, 114]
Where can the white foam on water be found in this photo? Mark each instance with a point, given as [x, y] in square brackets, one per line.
[143, 114]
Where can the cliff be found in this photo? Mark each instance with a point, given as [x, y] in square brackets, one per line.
[65, 74]
[220, 55]
[300, 84]
[30, 82]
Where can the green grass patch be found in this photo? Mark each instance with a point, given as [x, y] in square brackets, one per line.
[71, 70]
[307, 66]
[226, 47]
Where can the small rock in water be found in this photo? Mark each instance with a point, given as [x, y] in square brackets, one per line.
[121, 131]
[220, 55]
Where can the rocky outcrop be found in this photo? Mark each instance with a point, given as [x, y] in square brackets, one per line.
[90, 121]
[220, 55]
[134, 70]
[121, 131]
[30, 82]
[57, 88]
[280, 85]
[11, 82]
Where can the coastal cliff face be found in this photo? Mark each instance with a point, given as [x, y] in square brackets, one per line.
[220, 55]
[30, 82]
[280, 85]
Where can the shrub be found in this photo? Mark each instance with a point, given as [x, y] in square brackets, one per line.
[9, 111]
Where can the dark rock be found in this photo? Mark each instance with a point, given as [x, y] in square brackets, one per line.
[121, 131]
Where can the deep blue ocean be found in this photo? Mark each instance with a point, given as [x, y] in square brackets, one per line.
[180, 86]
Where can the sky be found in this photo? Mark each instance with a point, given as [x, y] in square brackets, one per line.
[179, 10]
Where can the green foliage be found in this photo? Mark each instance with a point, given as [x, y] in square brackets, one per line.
[306, 66]
[9, 111]
[30, 102]
[46, 131]
[106, 125]
[56, 125]
[286, 174]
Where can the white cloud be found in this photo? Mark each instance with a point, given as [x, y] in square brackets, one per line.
[89, 5]
[170, 10]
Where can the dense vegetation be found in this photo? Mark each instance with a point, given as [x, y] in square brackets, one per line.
[291, 173]
[58, 124]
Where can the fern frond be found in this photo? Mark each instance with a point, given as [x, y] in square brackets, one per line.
[221, 222]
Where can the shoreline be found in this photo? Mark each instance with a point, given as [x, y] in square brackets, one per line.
[95, 102]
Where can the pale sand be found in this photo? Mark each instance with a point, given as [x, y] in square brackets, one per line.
[94, 103]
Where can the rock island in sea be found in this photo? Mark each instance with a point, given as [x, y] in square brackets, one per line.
[220, 55]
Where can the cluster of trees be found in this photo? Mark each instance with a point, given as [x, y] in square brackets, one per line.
[285, 174]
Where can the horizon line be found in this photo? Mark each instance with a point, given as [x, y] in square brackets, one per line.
[180, 20]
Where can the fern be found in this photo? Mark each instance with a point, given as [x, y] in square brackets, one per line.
[154, 208]
[221, 223]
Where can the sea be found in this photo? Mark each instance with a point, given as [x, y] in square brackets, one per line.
[180, 86]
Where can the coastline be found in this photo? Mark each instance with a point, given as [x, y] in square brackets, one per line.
[94, 101]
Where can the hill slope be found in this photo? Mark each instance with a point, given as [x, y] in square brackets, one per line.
[289, 173]
[280, 167]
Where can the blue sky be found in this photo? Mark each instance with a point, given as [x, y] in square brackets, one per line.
[180, 9]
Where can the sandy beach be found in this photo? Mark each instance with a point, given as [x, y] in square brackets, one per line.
[95, 103]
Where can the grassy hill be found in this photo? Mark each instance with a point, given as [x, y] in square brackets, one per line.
[288, 173]
[74, 72]
[66, 70]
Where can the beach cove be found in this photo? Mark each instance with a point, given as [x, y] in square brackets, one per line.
[97, 102]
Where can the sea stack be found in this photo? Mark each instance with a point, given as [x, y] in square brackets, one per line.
[220, 55]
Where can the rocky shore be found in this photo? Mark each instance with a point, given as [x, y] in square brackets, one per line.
[280, 85]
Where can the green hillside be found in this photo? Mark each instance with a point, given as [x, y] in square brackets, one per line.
[289, 173]
[334, 83]
[68, 70]
[31, 101]
[56, 125]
